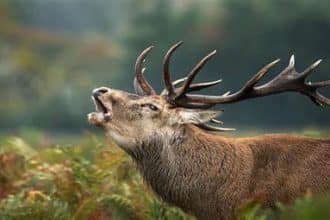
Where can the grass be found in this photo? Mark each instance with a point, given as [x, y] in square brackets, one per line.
[93, 179]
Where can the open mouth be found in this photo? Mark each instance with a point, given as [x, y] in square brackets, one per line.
[101, 108]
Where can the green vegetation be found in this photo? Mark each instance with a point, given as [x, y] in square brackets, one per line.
[88, 181]
[95, 180]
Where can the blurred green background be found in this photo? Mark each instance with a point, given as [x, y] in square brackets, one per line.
[54, 52]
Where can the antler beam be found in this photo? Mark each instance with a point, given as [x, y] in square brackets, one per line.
[287, 80]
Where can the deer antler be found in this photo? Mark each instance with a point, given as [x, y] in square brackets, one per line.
[186, 86]
[166, 71]
[287, 80]
[177, 92]
[141, 85]
[172, 94]
[193, 87]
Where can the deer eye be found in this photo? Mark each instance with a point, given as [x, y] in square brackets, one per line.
[150, 106]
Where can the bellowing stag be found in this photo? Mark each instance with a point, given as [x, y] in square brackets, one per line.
[188, 164]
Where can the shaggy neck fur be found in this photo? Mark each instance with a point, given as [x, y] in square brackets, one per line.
[211, 176]
[186, 170]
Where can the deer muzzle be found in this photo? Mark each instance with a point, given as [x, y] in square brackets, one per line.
[103, 109]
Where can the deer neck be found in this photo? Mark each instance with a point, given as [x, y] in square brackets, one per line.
[175, 166]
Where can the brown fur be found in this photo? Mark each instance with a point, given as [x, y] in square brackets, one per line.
[203, 173]
[210, 176]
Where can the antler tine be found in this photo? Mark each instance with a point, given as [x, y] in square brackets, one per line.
[317, 98]
[256, 78]
[193, 87]
[194, 105]
[178, 82]
[309, 69]
[137, 87]
[166, 72]
[214, 128]
[216, 121]
[141, 84]
[199, 86]
[291, 62]
[194, 72]
[320, 84]
[310, 89]
[227, 98]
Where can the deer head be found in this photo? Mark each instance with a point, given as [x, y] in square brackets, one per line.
[129, 118]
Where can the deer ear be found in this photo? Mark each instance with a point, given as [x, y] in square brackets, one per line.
[197, 116]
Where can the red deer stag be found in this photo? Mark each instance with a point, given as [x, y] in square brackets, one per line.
[172, 140]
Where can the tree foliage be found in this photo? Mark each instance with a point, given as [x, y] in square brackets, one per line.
[53, 54]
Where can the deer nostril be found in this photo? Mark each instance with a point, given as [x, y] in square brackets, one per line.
[102, 91]
[98, 92]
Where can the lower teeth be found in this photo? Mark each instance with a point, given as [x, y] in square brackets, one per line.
[107, 116]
